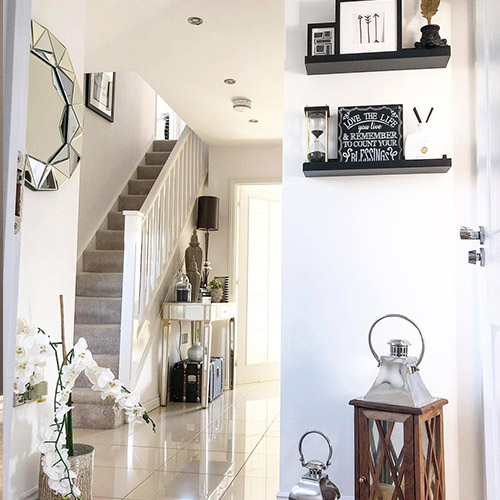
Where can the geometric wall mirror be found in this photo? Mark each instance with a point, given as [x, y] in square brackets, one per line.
[54, 135]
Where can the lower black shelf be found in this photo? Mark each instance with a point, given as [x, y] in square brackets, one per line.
[336, 168]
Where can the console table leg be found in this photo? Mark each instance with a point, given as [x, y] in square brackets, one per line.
[207, 352]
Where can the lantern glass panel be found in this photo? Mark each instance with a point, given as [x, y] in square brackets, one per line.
[386, 455]
[432, 455]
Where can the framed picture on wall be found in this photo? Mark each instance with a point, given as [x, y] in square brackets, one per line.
[100, 93]
[321, 39]
[368, 26]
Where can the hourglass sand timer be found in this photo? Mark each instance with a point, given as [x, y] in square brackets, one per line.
[317, 133]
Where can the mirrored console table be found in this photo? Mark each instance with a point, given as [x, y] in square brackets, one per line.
[205, 315]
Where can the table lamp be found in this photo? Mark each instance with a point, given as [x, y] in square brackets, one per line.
[208, 220]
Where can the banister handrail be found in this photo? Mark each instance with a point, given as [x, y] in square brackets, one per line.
[165, 171]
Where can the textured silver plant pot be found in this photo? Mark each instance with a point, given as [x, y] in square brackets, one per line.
[216, 294]
[82, 464]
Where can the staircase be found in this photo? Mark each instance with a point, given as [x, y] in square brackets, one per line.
[99, 292]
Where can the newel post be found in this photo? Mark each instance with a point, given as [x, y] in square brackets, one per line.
[131, 290]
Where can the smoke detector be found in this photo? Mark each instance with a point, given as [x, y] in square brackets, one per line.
[241, 104]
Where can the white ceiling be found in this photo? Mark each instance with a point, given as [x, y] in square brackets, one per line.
[187, 65]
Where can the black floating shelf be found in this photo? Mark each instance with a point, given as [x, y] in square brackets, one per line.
[379, 61]
[336, 168]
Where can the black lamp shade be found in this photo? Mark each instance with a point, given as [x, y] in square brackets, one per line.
[208, 213]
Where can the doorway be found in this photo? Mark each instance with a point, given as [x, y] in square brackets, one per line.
[257, 278]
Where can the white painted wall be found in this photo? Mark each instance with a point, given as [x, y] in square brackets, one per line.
[48, 256]
[257, 162]
[112, 151]
[367, 246]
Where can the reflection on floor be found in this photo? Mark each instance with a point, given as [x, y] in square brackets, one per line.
[229, 451]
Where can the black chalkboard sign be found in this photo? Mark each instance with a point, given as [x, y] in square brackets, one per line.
[371, 133]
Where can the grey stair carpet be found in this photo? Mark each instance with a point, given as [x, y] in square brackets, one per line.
[99, 294]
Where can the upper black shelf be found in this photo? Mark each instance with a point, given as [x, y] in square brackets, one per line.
[379, 61]
[335, 168]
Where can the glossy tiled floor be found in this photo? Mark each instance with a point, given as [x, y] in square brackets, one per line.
[229, 451]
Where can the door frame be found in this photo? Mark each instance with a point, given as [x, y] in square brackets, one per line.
[232, 242]
[16, 50]
[483, 156]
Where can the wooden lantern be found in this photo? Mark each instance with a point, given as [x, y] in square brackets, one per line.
[399, 452]
[399, 446]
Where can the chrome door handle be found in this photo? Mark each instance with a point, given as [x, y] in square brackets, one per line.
[466, 233]
[476, 256]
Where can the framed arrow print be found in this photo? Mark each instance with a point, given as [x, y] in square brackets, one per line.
[368, 26]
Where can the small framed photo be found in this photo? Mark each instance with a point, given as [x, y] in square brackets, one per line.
[100, 93]
[321, 39]
[368, 26]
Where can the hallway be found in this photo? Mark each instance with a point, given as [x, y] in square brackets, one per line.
[229, 451]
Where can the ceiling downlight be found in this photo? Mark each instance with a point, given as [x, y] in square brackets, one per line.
[195, 21]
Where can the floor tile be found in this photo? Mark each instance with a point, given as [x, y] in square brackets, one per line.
[269, 445]
[178, 485]
[252, 488]
[117, 483]
[174, 437]
[103, 436]
[259, 465]
[247, 427]
[224, 442]
[206, 462]
[132, 457]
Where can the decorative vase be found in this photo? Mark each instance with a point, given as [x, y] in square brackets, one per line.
[194, 278]
[430, 37]
[82, 463]
[194, 251]
[216, 294]
[195, 353]
[422, 145]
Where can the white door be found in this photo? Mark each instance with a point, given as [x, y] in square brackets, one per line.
[258, 282]
[488, 136]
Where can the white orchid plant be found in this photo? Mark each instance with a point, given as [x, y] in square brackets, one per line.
[31, 355]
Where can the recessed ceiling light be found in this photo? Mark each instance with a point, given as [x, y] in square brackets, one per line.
[229, 81]
[195, 20]
[253, 120]
[242, 104]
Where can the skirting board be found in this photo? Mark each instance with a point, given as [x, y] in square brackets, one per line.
[284, 496]
[31, 494]
[152, 404]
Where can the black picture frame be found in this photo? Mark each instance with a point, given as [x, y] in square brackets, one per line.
[399, 23]
[310, 35]
[370, 133]
[106, 111]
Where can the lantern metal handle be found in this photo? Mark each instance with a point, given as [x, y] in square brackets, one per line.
[375, 355]
[330, 449]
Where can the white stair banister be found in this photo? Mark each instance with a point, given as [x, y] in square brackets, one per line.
[151, 237]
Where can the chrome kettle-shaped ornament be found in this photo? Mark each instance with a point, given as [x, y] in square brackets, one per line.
[315, 485]
[398, 382]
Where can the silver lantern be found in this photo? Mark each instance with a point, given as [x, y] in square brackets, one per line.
[398, 381]
[315, 485]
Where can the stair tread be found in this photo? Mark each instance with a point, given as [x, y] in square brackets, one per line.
[89, 396]
[97, 325]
